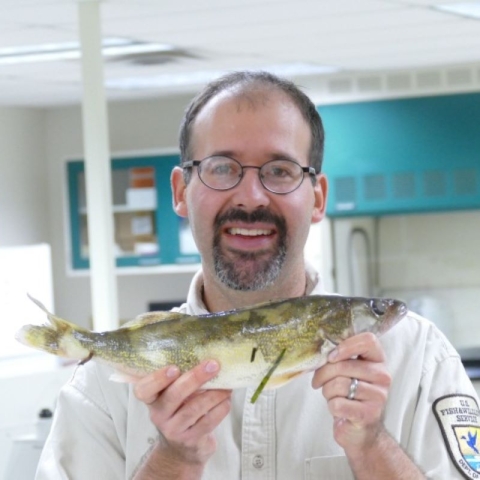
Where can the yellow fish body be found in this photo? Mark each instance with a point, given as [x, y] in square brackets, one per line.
[295, 335]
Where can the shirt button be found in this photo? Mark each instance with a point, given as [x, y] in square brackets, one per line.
[257, 461]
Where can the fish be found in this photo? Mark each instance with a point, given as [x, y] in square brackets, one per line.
[265, 345]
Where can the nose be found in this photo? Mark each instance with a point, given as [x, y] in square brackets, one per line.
[250, 193]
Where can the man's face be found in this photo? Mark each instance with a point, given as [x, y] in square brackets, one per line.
[248, 236]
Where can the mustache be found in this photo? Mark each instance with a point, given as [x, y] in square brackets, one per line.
[260, 215]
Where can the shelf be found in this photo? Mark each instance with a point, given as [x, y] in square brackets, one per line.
[123, 209]
[190, 268]
[147, 232]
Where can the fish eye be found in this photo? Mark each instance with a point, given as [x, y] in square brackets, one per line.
[378, 306]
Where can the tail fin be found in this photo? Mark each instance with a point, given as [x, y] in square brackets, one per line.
[57, 338]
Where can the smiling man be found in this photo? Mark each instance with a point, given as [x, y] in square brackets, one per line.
[250, 204]
[250, 183]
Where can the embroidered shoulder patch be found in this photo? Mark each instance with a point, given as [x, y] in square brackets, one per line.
[459, 420]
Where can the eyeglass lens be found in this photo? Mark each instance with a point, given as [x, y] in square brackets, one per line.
[223, 173]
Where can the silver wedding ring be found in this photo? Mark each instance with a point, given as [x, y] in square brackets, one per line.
[353, 389]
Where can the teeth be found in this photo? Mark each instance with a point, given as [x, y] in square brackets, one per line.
[249, 232]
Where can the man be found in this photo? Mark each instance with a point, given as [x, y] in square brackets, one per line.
[247, 143]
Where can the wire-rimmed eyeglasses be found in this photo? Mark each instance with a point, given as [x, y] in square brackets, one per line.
[220, 172]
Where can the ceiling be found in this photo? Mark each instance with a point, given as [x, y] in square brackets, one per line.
[353, 36]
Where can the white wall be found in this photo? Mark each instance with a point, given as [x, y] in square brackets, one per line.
[431, 260]
[24, 217]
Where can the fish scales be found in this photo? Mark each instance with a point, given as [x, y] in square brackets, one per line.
[246, 342]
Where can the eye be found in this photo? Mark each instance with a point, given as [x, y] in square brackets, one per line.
[280, 170]
[378, 306]
[220, 167]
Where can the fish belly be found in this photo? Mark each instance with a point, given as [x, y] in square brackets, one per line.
[237, 370]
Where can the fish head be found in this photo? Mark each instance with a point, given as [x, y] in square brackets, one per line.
[376, 315]
[344, 317]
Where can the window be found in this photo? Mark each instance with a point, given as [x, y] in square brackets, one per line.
[25, 269]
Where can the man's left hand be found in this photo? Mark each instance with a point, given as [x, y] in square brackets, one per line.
[358, 421]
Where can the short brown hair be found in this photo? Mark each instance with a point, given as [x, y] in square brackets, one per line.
[249, 79]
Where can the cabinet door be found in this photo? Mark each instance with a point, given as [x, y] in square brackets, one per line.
[403, 155]
[146, 229]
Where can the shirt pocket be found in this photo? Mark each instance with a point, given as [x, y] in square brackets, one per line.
[328, 468]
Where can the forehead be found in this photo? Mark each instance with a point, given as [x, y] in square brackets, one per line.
[247, 99]
[264, 116]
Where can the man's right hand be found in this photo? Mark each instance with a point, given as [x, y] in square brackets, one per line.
[184, 414]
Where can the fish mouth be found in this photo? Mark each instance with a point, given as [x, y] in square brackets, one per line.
[402, 309]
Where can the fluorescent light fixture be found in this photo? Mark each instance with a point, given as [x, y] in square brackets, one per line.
[465, 9]
[200, 77]
[51, 52]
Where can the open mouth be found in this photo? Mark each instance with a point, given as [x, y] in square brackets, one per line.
[250, 232]
[249, 238]
[238, 231]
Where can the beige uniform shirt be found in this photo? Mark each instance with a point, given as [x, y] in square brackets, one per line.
[100, 430]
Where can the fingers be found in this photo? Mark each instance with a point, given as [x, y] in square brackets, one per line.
[357, 422]
[186, 385]
[360, 357]
[359, 418]
[198, 417]
[364, 345]
[336, 391]
[373, 373]
[366, 407]
[182, 410]
[148, 387]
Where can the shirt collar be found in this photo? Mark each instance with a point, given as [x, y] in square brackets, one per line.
[196, 306]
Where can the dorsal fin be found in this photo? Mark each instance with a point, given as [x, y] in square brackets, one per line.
[153, 317]
[59, 324]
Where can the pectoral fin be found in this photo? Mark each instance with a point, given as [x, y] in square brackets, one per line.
[86, 359]
[265, 379]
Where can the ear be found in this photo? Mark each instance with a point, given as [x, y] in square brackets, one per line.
[320, 191]
[179, 192]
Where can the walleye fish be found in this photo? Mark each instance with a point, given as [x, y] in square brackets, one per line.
[268, 343]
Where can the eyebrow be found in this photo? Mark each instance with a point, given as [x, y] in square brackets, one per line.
[273, 156]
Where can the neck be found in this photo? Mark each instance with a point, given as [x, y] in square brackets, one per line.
[218, 297]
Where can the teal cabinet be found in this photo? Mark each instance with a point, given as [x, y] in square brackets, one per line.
[147, 231]
[405, 155]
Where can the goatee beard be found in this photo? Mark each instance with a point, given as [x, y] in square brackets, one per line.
[249, 271]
